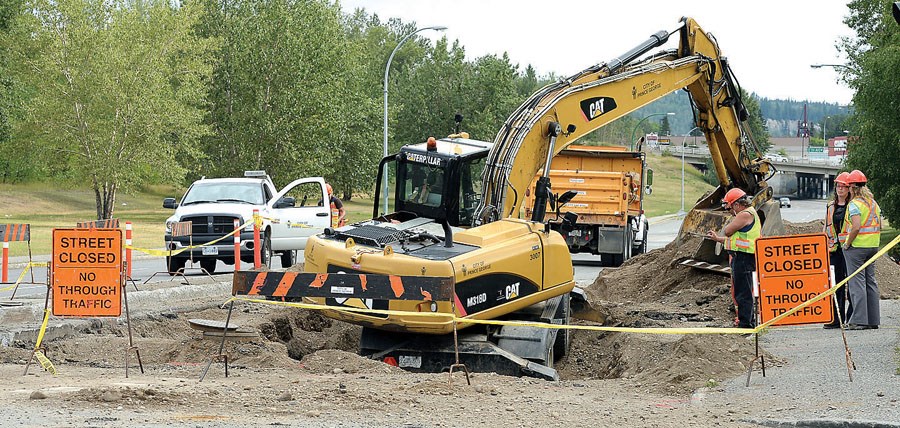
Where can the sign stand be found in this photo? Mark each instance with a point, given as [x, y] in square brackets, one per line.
[87, 280]
[848, 356]
[760, 357]
[130, 337]
[10, 233]
[181, 228]
[220, 356]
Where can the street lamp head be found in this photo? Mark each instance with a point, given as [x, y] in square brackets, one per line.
[670, 114]
[439, 28]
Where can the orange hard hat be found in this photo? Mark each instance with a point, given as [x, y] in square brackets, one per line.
[732, 196]
[328, 188]
[842, 178]
[856, 177]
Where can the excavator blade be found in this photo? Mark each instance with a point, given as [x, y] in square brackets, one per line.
[708, 215]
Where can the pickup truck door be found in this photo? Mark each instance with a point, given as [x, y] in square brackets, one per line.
[309, 214]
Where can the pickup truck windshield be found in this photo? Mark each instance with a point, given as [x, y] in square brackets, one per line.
[225, 192]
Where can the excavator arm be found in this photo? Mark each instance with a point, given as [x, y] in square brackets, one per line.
[560, 113]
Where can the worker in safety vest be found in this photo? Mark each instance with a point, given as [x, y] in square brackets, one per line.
[834, 223]
[861, 235]
[740, 242]
[337, 208]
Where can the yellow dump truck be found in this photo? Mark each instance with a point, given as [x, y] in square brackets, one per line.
[609, 182]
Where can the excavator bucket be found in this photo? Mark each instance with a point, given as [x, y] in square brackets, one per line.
[708, 214]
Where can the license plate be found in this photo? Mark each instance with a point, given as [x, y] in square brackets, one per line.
[209, 251]
[413, 361]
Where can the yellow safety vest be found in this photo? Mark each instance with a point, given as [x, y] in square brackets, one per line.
[745, 242]
[830, 230]
[869, 235]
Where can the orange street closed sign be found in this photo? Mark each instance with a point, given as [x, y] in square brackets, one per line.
[792, 270]
[86, 272]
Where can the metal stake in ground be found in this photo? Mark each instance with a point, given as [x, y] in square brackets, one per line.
[220, 356]
[848, 357]
[37, 346]
[457, 364]
[760, 357]
[130, 338]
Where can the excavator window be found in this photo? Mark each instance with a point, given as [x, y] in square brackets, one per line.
[423, 184]
[470, 190]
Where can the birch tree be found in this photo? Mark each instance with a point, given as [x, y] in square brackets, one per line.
[119, 89]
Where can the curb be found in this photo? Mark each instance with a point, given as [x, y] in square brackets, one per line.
[825, 423]
[667, 217]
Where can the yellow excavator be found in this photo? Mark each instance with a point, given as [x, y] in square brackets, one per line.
[455, 249]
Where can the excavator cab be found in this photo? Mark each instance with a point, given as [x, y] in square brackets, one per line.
[439, 179]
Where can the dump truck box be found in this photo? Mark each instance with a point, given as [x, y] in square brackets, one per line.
[609, 182]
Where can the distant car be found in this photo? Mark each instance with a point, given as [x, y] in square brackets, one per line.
[785, 202]
[776, 157]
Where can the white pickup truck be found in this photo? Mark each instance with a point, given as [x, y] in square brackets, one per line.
[299, 211]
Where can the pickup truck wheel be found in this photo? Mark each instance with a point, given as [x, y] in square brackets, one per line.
[175, 264]
[265, 252]
[287, 258]
[209, 265]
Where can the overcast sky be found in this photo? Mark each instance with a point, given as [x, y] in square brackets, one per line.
[770, 43]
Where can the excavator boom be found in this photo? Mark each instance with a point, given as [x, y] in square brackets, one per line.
[606, 92]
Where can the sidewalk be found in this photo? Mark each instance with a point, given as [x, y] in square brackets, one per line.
[812, 387]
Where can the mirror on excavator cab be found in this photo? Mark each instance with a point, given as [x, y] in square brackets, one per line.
[648, 189]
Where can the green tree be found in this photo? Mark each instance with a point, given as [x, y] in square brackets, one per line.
[874, 58]
[756, 124]
[16, 163]
[283, 96]
[664, 127]
[118, 88]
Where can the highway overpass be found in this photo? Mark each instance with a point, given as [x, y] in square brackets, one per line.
[800, 179]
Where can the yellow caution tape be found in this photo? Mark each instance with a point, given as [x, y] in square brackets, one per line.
[153, 252]
[646, 330]
[22, 275]
[45, 362]
[467, 321]
[40, 337]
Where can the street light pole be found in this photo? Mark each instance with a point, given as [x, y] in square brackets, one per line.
[642, 120]
[682, 212]
[845, 66]
[387, 69]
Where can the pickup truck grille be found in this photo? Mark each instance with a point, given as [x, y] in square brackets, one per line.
[211, 225]
[372, 236]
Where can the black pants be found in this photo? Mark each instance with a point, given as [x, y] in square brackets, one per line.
[742, 267]
[840, 272]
